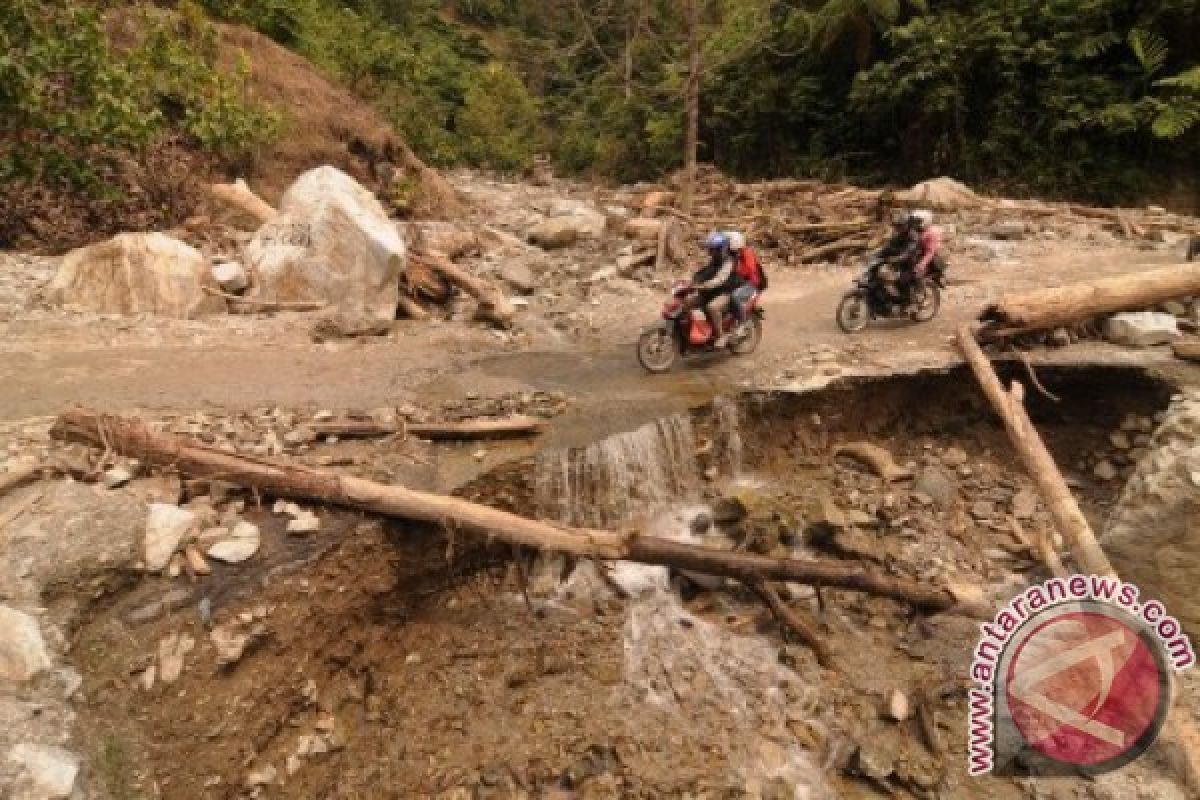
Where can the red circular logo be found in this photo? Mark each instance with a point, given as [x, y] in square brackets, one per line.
[1085, 688]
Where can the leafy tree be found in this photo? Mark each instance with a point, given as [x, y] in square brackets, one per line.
[499, 122]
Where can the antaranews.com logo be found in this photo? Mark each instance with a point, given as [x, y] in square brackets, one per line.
[1073, 676]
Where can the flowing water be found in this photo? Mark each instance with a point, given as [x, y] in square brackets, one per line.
[728, 689]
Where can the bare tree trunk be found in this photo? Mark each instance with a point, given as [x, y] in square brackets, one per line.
[692, 103]
[133, 438]
[1180, 738]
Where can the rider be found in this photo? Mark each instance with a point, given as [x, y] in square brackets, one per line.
[714, 282]
[914, 245]
[753, 279]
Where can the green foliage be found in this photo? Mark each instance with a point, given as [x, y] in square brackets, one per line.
[72, 106]
[499, 121]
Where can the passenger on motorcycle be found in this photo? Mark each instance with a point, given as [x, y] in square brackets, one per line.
[914, 245]
[715, 282]
[753, 278]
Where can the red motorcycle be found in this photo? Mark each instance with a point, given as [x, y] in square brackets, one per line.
[685, 331]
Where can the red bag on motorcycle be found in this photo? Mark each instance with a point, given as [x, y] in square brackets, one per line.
[699, 332]
[750, 270]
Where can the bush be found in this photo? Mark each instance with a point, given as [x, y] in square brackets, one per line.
[499, 121]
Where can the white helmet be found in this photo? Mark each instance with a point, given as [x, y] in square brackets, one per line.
[923, 218]
[737, 241]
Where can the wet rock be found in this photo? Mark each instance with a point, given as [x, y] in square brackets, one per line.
[23, 652]
[166, 525]
[243, 542]
[1141, 329]
[939, 485]
[47, 772]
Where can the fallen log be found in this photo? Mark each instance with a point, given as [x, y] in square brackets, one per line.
[1180, 737]
[134, 438]
[494, 307]
[467, 429]
[1187, 351]
[855, 242]
[240, 198]
[875, 457]
[19, 477]
[1044, 309]
[410, 308]
[815, 228]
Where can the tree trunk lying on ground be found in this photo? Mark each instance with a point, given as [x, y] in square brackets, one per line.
[19, 477]
[494, 307]
[1179, 736]
[240, 198]
[1042, 309]
[131, 437]
[466, 429]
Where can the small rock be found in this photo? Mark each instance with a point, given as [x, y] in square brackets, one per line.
[1009, 230]
[1141, 329]
[701, 523]
[166, 525]
[1059, 337]
[23, 651]
[263, 776]
[307, 522]
[50, 770]
[939, 485]
[231, 644]
[243, 543]
[954, 457]
[231, 276]
[1024, 503]
[898, 708]
[171, 652]
[116, 477]
[1105, 471]
[1120, 440]
[196, 561]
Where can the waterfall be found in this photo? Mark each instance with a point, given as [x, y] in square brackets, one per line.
[610, 481]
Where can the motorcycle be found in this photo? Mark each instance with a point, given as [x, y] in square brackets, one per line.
[870, 299]
[685, 330]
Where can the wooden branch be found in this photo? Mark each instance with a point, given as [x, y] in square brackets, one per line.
[251, 305]
[855, 242]
[1043, 309]
[788, 617]
[1186, 351]
[19, 477]
[410, 307]
[494, 307]
[133, 438]
[465, 430]
[852, 226]
[239, 197]
[1179, 732]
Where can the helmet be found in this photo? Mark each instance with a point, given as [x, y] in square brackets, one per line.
[922, 219]
[737, 241]
[716, 241]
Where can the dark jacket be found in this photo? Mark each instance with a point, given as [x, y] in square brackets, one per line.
[717, 276]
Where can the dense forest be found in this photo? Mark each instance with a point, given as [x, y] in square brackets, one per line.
[1098, 99]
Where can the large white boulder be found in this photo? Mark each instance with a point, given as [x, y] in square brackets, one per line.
[1141, 328]
[22, 649]
[332, 243]
[136, 273]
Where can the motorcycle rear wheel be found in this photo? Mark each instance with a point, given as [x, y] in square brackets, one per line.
[853, 313]
[928, 303]
[748, 343]
[657, 351]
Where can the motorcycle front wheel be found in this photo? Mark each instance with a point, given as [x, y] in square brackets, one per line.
[748, 342]
[656, 350]
[853, 313]
[928, 303]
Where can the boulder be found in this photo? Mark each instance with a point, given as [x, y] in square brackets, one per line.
[940, 194]
[332, 243]
[23, 651]
[1141, 329]
[1151, 534]
[231, 277]
[136, 273]
[166, 525]
[45, 772]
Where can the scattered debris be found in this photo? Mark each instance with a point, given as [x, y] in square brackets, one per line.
[23, 652]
